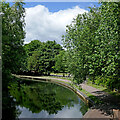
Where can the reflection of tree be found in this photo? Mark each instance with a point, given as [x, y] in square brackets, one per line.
[42, 96]
[9, 111]
[83, 108]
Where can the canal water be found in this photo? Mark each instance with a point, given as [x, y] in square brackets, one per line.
[45, 100]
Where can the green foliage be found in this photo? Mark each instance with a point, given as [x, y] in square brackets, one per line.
[41, 56]
[110, 82]
[32, 46]
[12, 52]
[93, 44]
[79, 41]
[12, 36]
[60, 62]
[36, 97]
[108, 37]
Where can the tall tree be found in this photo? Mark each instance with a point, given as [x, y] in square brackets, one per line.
[93, 44]
[61, 62]
[51, 50]
[42, 59]
[108, 36]
[29, 50]
[12, 35]
[79, 41]
[12, 51]
[32, 46]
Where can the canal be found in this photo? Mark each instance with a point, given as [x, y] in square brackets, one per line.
[45, 100]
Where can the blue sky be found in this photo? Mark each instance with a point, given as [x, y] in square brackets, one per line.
[56, 6]
[48, 20]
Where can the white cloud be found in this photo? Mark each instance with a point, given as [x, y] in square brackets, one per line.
[44, 25]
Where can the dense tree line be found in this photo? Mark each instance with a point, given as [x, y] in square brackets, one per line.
[40, 57]
[92, 41]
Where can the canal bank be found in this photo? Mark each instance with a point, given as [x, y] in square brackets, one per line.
[92, 113]
[65, 83]
[41, 99]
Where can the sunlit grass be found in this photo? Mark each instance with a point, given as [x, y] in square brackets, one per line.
[66, 74]
[60, 81]
[114, 93]
[65, 78]
[96, 86]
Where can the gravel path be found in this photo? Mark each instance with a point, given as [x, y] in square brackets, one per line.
[103, 110]
[96, 113]
[92, 90]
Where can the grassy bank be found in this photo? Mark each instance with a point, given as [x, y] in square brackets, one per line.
[59, 74]
[89, 95]
[114, 93]
[68, 82]
[65, 78]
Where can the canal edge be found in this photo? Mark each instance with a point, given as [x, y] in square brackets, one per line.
[84, 97]
[91, 113]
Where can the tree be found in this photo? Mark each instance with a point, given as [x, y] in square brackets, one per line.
[108, 35]
[93, 45]
[51, 50]
[41, 56]
[60, 62]
[32, 46]
[12, 52]
[29, 50]
[12, 36]
[79, 42]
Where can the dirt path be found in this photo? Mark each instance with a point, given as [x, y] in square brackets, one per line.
[92, 90]
[104, 109]
[98, 111]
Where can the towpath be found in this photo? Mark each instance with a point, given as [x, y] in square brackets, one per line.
[105, 109]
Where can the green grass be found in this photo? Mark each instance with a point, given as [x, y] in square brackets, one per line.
[85, 92]
[96, 86]
[66, 74]
[114, 93]
[60, 81]
[65, 78]
[89, 95]
[92, 97]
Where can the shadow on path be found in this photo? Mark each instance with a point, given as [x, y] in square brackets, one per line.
[108, 102]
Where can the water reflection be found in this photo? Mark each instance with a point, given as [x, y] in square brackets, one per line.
[9, 110]
[46, 100]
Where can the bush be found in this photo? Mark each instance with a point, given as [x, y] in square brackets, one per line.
[110, 82]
